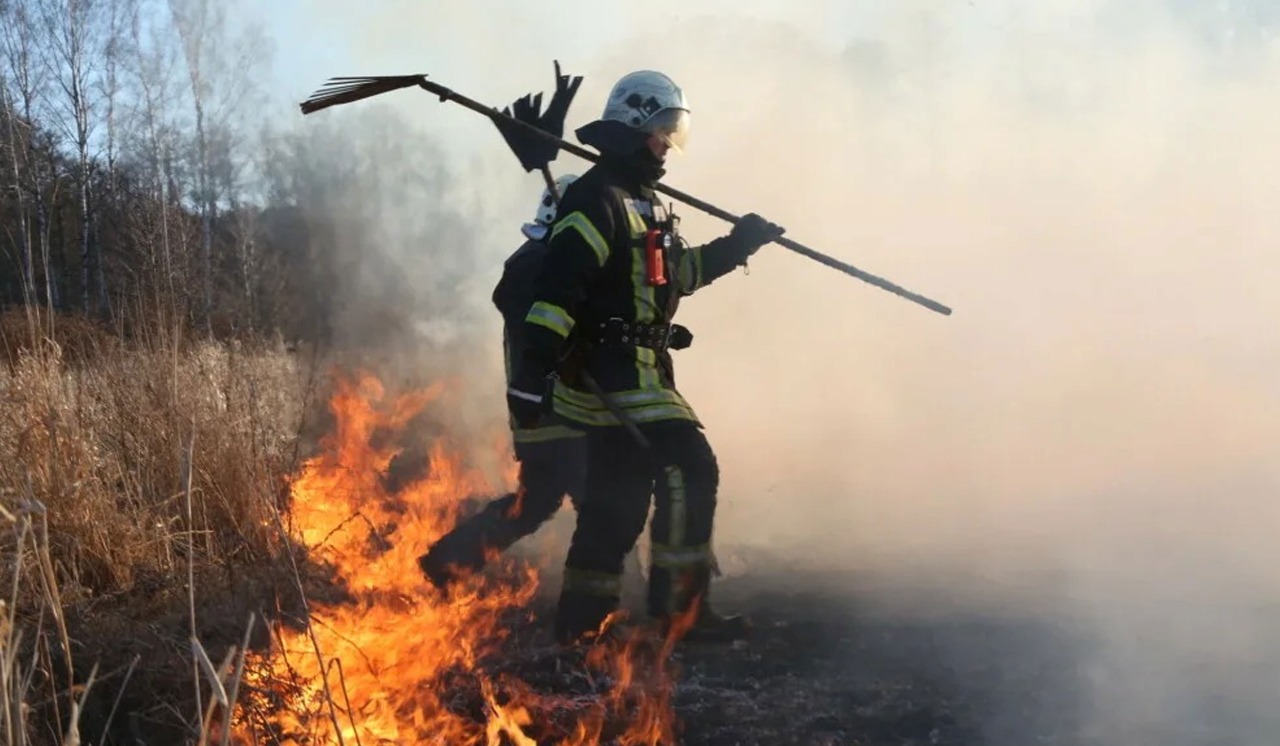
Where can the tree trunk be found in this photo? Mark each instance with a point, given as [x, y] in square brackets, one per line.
[206, 212]
[86, 256]
[26, 66]
[71, 29]
[52, 296]
[110, 88]
[150, 78]
[24, 235]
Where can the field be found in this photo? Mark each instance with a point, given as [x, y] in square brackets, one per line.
[215, 543]
[160, 492]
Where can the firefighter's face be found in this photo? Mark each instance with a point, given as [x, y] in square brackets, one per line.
[659, 146]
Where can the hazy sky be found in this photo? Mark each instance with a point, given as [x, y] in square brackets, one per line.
[495, 51]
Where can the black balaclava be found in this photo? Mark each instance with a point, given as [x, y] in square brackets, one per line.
[623, 149]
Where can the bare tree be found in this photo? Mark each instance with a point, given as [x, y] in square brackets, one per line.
[119, 16]
[194, 19]
[115, 17]
[15, 147]
[220, 67]
[26, 75]
[151, 80]
[75, 45]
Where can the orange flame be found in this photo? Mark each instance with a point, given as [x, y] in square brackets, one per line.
[394, 662]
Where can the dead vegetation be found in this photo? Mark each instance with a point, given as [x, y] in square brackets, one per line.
[140, 487]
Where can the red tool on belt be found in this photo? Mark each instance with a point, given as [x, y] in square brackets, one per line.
[656, 243]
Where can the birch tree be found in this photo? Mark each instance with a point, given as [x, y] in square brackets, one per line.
[115, 19]
[151, 82]
[74, 37]
[220, 63]
[26, 73]
[13, 149]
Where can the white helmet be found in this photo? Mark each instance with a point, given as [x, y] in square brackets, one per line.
[650, 102]
[546, 214]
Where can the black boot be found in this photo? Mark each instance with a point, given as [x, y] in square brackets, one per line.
[457, 554]
[712, 627]
[693, 586]
[463, 550]
[580, 617]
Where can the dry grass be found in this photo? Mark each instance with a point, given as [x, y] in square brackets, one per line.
[134, 478]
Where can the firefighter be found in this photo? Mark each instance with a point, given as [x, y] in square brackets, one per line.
[552, 455]
[603, 305]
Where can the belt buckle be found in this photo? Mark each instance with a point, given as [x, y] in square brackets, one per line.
[666, 337]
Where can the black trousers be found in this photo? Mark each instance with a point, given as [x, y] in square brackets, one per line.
[549, 470]
[680, 473]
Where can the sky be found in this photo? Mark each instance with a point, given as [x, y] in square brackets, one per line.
[319, 39]
[458, 45]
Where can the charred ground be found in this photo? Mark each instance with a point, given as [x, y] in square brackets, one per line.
[833, 660]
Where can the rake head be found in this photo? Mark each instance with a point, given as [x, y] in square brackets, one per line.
[345, 90]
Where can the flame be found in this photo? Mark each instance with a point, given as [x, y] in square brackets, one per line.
[393, 662]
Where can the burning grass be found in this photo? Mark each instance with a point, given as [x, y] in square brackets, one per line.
[156, 504]
[395, 662]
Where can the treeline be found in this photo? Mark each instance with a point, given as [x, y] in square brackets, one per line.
[138, 182]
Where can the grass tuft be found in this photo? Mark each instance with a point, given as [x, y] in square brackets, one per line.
[115, 567]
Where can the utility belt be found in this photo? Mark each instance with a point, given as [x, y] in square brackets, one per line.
[660, 337]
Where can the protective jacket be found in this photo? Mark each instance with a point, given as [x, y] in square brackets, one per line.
[594, 309]
[513, 295]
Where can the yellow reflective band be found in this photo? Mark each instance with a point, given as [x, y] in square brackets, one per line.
[634, 218]
[647, 367]
[545, 434]
[580, 223]
[646, 307]
[646, 302]
[640, 405]
[675, 557]
[626, 399]
[550, 316]
[592, 582]
[656, 413]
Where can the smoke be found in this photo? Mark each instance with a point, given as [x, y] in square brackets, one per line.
[1091, 437]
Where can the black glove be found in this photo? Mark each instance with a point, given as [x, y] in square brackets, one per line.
[751, 232]
[532, 151]
[681, 337]
[535, 152]
[529, 398]
[566, 88]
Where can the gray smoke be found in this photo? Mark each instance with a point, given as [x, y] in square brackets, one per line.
[407, 241]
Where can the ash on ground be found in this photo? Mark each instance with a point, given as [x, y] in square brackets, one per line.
[831, 662]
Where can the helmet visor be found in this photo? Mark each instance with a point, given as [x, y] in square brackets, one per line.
[671, 126]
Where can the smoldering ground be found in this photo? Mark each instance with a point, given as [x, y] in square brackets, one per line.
[1081, 461]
